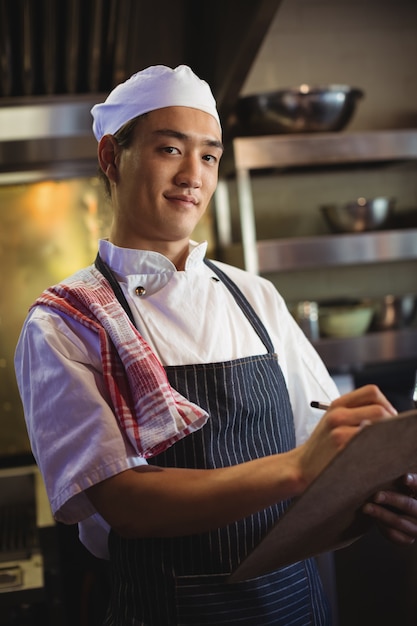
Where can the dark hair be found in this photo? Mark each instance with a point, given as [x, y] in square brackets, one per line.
[124, 137]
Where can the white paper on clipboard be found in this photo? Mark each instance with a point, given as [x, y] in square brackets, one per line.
[328, 514]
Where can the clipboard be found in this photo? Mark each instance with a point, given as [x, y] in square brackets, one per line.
[328, 516]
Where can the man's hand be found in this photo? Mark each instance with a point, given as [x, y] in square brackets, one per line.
[395, 511]
[345, 417]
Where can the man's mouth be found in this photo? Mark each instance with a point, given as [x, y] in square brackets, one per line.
[183, 198]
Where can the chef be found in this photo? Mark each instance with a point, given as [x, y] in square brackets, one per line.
[167, 396]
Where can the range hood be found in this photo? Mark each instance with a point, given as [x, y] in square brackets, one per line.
[59, 57]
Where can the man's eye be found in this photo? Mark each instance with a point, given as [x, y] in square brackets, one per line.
[210, 158]
[171, 150]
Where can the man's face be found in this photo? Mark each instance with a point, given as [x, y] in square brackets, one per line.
[165, 178]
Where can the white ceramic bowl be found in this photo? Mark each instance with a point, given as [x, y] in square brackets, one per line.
[345, 320]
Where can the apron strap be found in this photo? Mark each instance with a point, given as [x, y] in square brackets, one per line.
[245, 306]
[108, 274]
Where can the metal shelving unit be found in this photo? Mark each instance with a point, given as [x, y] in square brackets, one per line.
[249, 154]
[284, 151]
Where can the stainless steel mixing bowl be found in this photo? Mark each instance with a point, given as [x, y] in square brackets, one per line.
[360, 215]
[303, 109]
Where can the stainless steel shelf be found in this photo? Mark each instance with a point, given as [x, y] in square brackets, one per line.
[353, 353]
[273, 151]
[353, 249]
[305, 253]
[284, 151]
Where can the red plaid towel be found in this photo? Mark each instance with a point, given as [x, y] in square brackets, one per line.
[149, 410]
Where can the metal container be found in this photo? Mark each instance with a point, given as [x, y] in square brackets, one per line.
[306, 315]
[394, 311]
[303, 109]
[360, 215]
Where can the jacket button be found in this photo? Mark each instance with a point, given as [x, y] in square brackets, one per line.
[140, 291]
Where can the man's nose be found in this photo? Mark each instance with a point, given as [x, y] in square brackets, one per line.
[189, 174]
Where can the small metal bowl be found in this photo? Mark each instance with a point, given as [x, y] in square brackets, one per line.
[303, 109]
[394, 312]
[359, 216]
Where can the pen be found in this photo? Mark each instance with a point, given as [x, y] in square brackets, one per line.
[319, 405]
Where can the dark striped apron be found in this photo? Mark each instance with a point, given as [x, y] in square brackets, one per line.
[181, 581]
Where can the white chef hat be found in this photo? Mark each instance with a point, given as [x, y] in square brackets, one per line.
[153, 88]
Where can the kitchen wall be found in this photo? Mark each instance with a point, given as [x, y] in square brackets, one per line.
[371, 44]
[47, 231]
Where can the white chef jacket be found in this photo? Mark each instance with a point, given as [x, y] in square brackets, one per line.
[187, 317]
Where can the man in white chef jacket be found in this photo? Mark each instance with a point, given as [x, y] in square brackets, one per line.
[167, 397]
